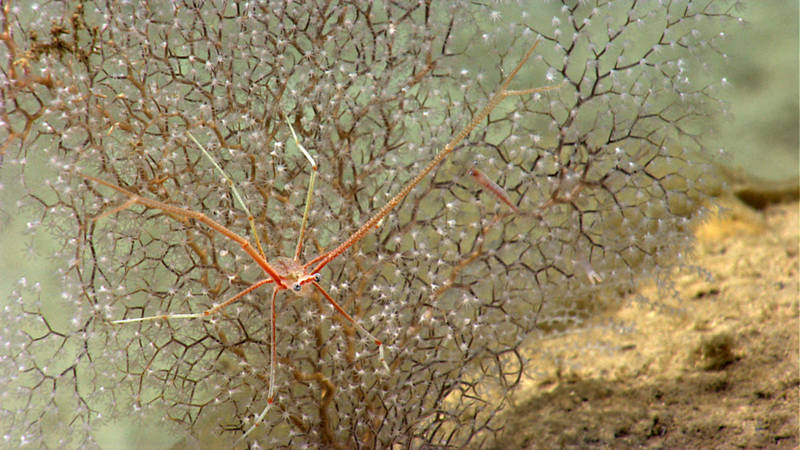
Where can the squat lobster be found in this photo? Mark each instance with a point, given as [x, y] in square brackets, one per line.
[289, 273]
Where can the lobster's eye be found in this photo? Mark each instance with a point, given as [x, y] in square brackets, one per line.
[297, 287]
[317, 277]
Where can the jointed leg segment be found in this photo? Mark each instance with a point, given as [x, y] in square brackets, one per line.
[236, 195]
[503, 92]
[314, 169]
[199, 315]
[200, 217]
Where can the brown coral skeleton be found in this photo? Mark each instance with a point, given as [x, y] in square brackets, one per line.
[290, 273]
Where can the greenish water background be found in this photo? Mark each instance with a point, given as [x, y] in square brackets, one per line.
[760, 135]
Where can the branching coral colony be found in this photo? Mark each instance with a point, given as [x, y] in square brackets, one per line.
[291, 274]
[149, 141]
